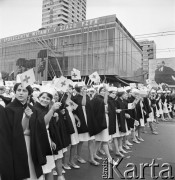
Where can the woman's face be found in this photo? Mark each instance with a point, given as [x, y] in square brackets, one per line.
[103, 91]
[112, 94]
[21, 94]
[70, 90]
[83, 89]
[124, 96]
[44, 100]
[159, 95]
[56, 97]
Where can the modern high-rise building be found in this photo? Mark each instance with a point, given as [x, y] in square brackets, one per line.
[149, 52]
[60, 12]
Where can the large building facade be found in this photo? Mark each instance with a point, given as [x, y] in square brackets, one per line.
[102, 44]
[60, 12]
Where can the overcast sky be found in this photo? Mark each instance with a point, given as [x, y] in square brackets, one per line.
[138, 16]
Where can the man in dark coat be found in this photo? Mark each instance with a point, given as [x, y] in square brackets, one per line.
[164, 74]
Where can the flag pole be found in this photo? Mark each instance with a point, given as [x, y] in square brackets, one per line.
[62, 96]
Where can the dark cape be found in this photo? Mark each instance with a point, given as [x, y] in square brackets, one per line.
[121, 116]
[99, 114]
[91, 124]
[65, 129]
[55, 134]
[132, 113]
[6, 158]
[112, 115]
[40, 146]
[14, 112]
[144, 109]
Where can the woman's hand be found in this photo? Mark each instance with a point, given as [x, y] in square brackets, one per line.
[78, 123]
[28, 112]
[127, 116]
[53, 146]
[118, 110]
[62, 111]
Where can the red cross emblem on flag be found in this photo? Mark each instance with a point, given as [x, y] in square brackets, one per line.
[26, 78]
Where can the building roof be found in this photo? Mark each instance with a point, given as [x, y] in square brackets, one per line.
[67, 27]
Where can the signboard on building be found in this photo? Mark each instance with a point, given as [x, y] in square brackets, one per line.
[66, 27]
[162, 71]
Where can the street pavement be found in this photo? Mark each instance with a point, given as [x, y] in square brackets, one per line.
[159, 147]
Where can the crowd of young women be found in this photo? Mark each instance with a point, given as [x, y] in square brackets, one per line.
[40, 127]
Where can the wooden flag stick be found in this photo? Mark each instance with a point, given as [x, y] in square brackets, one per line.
[62, 96]
[88, 81]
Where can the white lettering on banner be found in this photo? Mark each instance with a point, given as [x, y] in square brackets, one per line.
[51, 30]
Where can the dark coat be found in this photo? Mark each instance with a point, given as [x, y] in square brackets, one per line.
[165, 76]
[14, 111]
[99, 114]
[6, 155]
[112, 115]
[132, 113]
[40, 146]
[65, 128]
[91, 123]
[55, 134]
[121, 116]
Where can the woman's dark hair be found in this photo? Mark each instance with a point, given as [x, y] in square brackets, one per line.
[100, 89]
[128, 91]
[29, 88]
[48, 94]
[78, 88]
[119, 94]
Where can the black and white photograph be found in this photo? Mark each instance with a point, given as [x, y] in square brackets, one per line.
[87, 89]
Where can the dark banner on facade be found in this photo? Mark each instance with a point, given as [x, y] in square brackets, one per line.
[162, 71]
[39, 65]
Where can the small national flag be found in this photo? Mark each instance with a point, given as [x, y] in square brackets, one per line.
[61, 84]
[18, 78]
[1, 82]
[27, 78]
[71, 103]
[44, 83]
[75, 74]
[94, 77]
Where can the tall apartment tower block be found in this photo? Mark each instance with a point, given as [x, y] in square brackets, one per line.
[60, 12]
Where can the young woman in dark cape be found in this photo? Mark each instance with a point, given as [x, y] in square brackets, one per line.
[150, 114]
[101, 111]
[142, 115]
[46, 114]
[121, 116]
[87, 128]
[113, 123]
[71, 126]
[6, 158]
[64, 126]
[19, 115]
[132, 98]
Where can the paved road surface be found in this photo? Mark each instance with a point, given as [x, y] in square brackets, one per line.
[159, 147]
